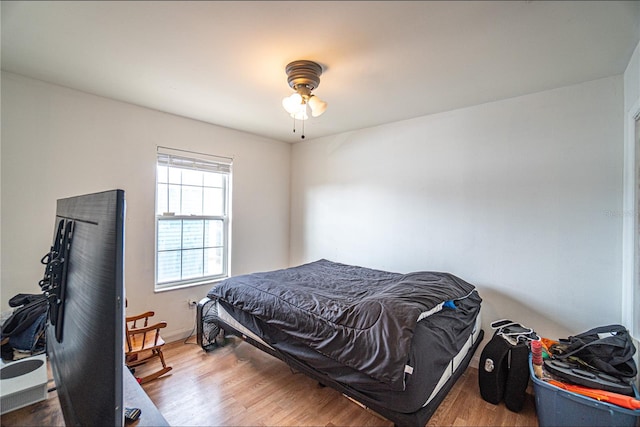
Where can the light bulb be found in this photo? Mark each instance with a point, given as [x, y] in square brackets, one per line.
[317, 106]
[292, 103]
[301, 113]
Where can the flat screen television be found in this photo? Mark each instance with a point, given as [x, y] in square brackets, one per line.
[84, 283]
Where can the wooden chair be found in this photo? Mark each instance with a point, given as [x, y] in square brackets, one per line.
[144, 343]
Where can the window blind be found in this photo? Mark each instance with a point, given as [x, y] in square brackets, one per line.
[205, 162]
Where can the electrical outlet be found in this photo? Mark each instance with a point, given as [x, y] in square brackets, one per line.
[192, 302]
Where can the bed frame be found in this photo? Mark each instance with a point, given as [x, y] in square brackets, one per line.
[207, 314]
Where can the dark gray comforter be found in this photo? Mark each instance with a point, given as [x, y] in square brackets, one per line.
[362, 318]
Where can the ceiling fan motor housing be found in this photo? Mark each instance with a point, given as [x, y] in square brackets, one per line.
[303, 74]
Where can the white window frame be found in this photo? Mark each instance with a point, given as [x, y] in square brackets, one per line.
[631, 227]
[195, 161]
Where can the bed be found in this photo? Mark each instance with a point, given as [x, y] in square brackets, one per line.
[395, 343]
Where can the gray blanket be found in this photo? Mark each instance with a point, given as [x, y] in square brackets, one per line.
[360, 317]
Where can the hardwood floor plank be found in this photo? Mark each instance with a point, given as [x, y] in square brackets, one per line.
[239, 385]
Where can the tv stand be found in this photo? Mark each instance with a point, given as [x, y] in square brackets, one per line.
[135, 397]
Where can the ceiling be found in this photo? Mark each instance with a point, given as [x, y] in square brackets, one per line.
[384, 61]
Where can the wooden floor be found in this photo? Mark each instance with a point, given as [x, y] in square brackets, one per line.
[238, 385]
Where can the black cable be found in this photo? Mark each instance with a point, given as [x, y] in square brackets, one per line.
[191, 333]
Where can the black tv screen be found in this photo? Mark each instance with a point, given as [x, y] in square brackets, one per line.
[85, 333]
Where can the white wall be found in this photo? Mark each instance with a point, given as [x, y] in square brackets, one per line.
[632, 80]
[520, 197]
[59, 142]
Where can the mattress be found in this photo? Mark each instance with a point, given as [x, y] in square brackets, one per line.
[362, 318]
[444, 331]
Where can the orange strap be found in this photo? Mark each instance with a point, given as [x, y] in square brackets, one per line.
[601, 395]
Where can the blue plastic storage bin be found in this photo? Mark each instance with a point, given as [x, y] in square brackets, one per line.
[558, 407]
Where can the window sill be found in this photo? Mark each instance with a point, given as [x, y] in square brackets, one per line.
[189, 285]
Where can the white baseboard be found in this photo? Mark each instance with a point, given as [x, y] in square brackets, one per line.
[179, 335]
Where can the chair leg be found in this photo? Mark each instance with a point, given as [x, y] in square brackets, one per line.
[156, 353]
[161, 356]
[155, 375]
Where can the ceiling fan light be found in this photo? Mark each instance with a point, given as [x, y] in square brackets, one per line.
[317, 106]
[303, 76]
[301, 114]
[292, 103]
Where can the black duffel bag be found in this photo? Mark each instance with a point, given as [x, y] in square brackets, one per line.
[608, 349]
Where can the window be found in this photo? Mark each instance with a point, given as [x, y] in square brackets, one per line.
[192, 218]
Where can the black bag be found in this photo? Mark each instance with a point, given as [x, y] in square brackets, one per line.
[494, 370]
[515, 390]
[25, 328]
[608, 349]
[504, 372]
[35, 306]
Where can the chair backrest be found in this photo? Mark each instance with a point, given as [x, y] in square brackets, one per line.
[143, 342]
[138, 325]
